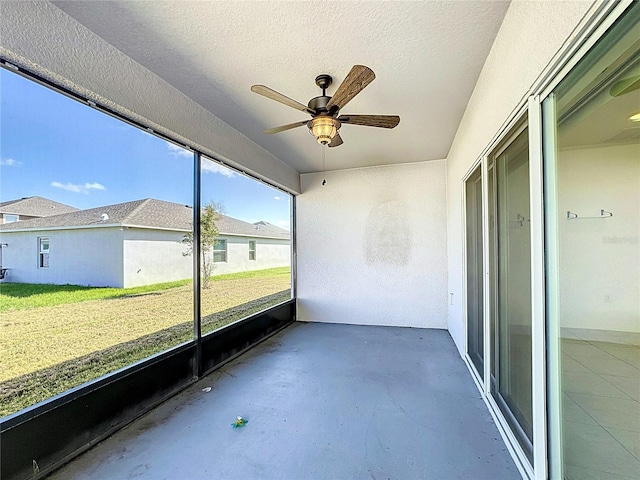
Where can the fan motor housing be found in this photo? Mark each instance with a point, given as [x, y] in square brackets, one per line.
[319, 104]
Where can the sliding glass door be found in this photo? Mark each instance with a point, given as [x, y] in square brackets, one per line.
[504, 297]
[552, 221]
[475, 316]
[592, 192]
[510, 279]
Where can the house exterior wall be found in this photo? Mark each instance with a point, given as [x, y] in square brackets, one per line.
[125, 257]
[91, 257]
[154, 256]
[530, 35]
[270, 253]
[371, 246]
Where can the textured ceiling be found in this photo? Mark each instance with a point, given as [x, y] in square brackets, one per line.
[426, 55]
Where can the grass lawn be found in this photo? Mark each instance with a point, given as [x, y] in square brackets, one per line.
[57, 337]
[18, 296]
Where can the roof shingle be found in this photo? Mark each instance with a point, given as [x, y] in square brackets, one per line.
[35, 207]
[146, 213]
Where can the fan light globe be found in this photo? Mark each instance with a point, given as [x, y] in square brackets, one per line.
[324, 128]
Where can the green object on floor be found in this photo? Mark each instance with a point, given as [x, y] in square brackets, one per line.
[240, 422]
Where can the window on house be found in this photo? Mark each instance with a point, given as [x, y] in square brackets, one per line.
[220, 251]
[9, 218]
[252, 249]
[43, 252]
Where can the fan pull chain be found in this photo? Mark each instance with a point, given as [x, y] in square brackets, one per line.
[324, 150]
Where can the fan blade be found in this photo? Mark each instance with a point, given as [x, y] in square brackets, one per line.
[278, 97]
[336, 141]
[282, 128]
[358, 78]
[382, 121]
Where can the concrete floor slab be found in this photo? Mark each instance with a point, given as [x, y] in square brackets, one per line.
[323, 401]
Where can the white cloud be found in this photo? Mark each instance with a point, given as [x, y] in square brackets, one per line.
[277, 197]
[212, 167]
[10, 162]
[94, 186]
[81, 188]
[207, 166]
[177, 151]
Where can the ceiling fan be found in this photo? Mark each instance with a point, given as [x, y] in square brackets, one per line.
[326, 122]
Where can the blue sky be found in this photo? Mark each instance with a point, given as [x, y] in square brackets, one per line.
[58, 148]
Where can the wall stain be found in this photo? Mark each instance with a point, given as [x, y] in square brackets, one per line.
[388, 237]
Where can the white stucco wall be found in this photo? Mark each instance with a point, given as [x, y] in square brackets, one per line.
[125, 257]
[600, 258]
[371, 246]
[91, 257]
[270, 253]
[154, 256]
[531, 34]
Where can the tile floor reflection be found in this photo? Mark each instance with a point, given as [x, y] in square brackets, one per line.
[601, 410]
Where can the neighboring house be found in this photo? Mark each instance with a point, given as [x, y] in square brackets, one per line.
[31, 207]
[27, 208]
[131, 244]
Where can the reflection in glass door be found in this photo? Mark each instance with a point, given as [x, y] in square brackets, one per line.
[475, 322]
[592, 198]
[510, 274]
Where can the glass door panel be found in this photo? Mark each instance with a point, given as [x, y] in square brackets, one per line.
[475, 321]
[592, 199]
[493, 363]
[511, 275]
